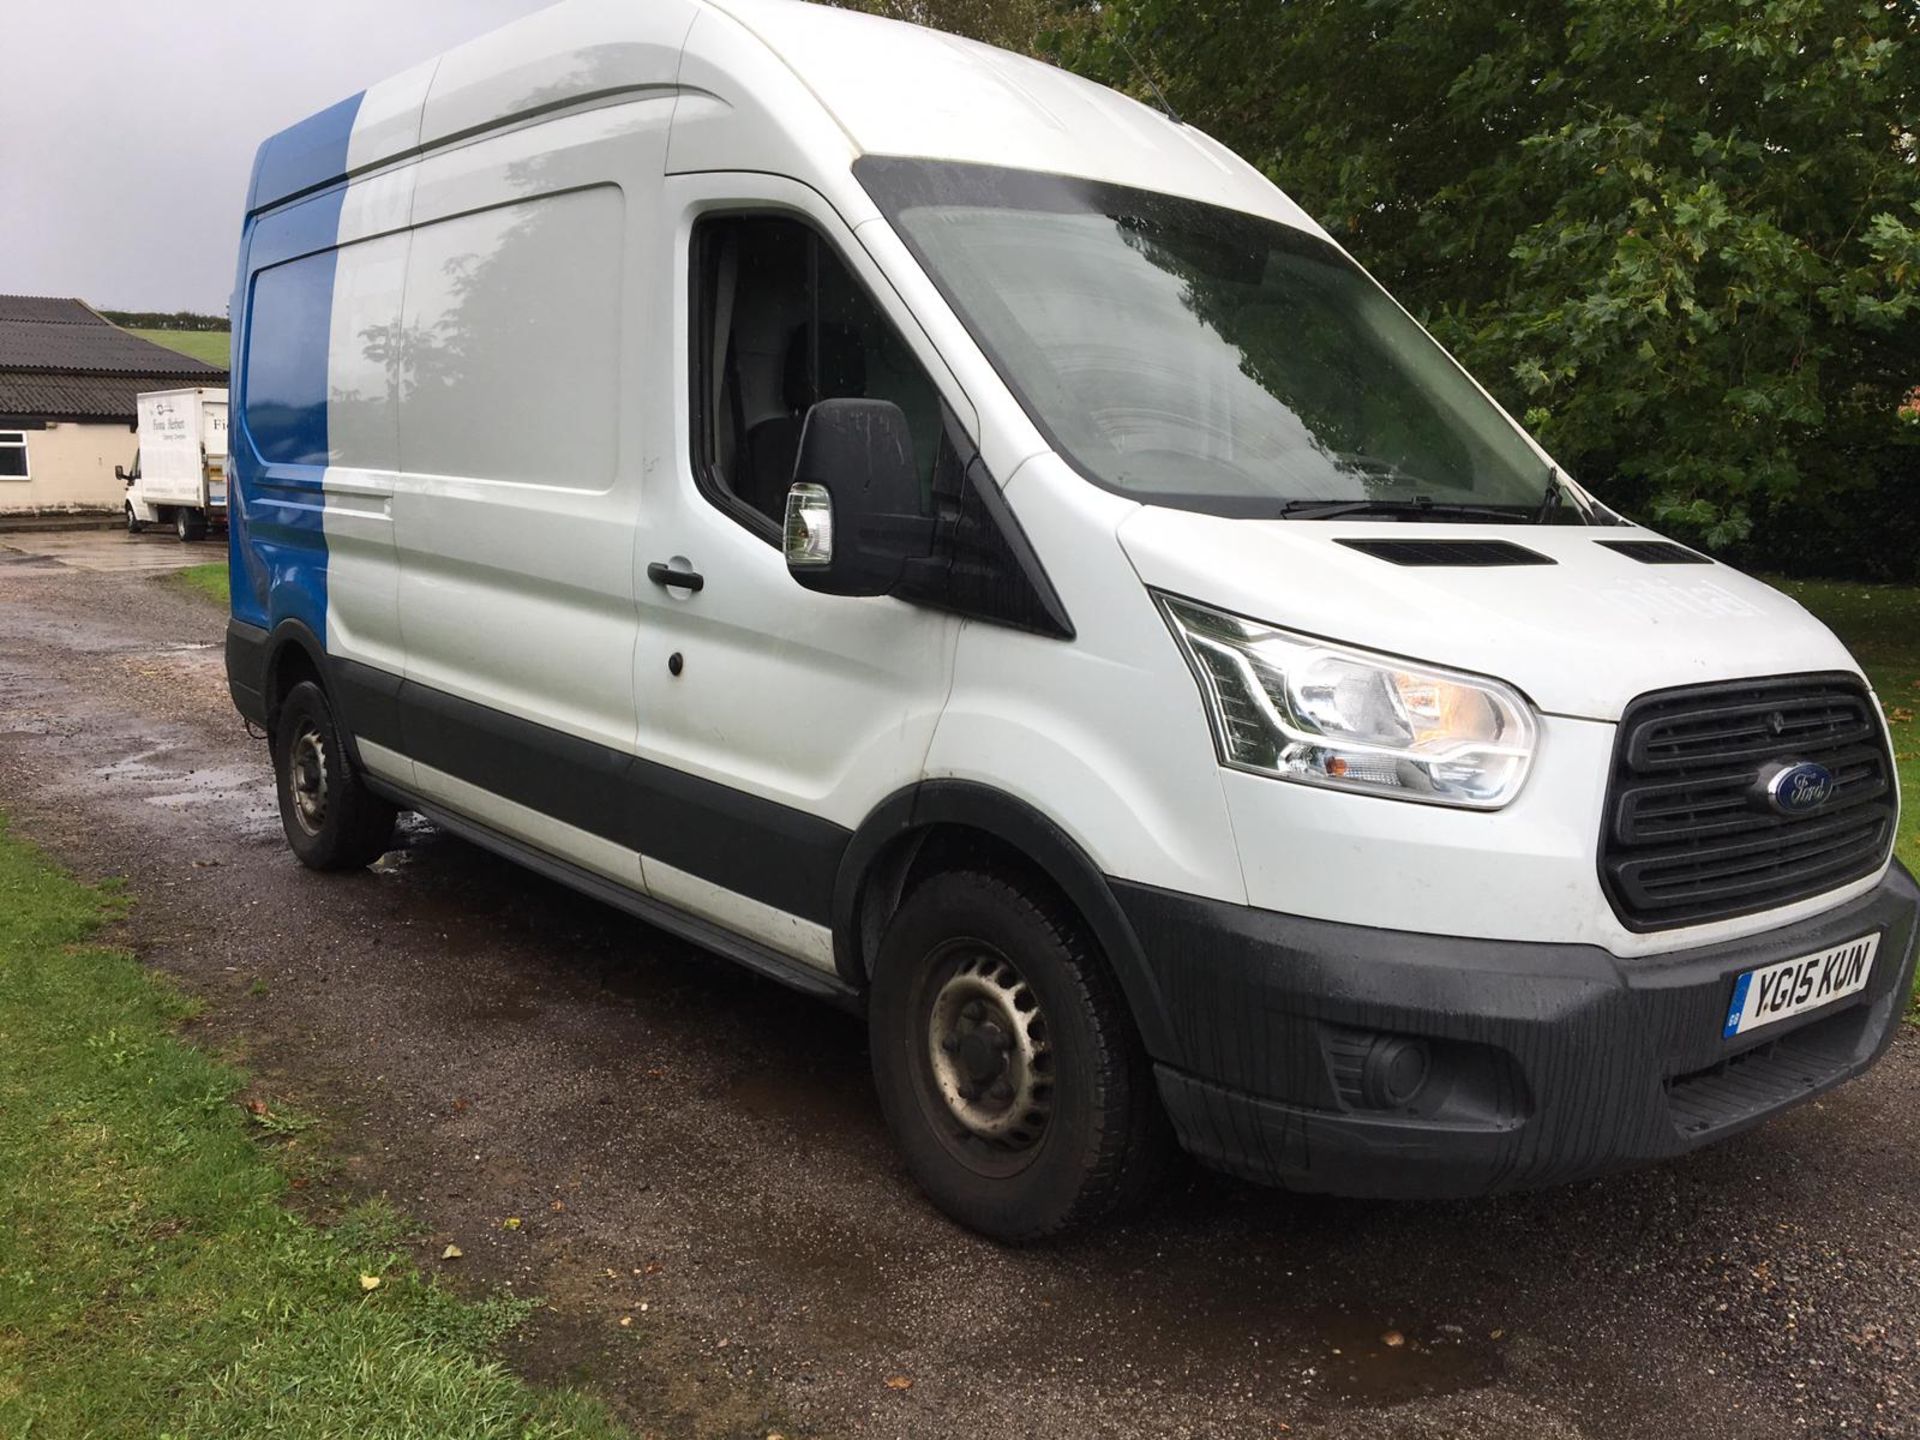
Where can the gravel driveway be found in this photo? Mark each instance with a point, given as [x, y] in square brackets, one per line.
[697, 1151]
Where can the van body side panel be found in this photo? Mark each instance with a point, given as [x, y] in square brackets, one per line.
[364, 352]
[519, 455]
[388, 124]
[1105, 735]
[517, 476]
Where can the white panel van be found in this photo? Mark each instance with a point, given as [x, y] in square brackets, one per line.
[949, 538]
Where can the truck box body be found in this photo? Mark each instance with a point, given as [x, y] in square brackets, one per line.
[183, 451]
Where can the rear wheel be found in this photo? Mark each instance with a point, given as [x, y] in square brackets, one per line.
[1008, 1066]
[333, 821]
[190, 524]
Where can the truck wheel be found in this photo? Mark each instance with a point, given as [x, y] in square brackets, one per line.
[1008, 1066]
[333, 821]
[134, 523]
[190, 524]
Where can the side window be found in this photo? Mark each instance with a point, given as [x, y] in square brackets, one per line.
[13, 455]
[286, 377]
[779, 324]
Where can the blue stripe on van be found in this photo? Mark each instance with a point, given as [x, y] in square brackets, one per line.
[277, 545]
[304, 155]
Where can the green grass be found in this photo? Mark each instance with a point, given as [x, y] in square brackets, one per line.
[152, 1282]
[207, 580]
[208, 345]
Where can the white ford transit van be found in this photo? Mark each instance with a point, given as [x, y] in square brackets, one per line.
[939, 533]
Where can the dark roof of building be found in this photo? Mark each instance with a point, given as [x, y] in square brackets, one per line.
[61, 360]
[25, 395]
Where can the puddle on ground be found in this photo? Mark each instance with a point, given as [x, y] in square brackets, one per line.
[145, 775]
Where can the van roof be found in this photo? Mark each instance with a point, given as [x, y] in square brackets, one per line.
[886, 87]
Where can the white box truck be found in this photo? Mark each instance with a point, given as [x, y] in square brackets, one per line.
[180, 470]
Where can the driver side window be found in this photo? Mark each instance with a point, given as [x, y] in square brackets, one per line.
[780, 324]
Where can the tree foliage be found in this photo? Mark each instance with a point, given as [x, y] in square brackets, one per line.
[1681, 237]
[1011, 24]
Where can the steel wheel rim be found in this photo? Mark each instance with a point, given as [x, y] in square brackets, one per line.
[307, 779]
[989, 1059]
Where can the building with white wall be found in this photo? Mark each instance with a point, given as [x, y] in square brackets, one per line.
[68, 378]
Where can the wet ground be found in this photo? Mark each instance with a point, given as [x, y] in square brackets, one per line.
[110, 552]
[697, 1151]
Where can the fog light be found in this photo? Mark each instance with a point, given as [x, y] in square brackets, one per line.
[1376, 1071]
[1394, 1072]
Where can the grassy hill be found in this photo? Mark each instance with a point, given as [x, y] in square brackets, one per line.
[207, 345]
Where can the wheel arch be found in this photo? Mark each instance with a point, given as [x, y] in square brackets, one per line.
[294, 653]
[920, 823]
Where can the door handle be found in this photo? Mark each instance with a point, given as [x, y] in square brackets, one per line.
[660, 573]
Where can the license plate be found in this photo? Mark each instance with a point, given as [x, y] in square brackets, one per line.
[1793, 987]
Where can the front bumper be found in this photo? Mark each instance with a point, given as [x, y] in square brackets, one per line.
[1547, 1062]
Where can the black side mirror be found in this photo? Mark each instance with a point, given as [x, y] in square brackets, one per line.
[853, 523]
[120, 473]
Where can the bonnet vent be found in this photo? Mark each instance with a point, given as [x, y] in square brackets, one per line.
[1448, 552]
[1655, 552]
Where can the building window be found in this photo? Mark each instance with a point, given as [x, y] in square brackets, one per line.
[13, 455]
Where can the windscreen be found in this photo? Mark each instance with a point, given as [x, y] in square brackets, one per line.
[1197, 357]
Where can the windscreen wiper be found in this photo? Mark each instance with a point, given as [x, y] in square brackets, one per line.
[1553, 499]
[1421, 509]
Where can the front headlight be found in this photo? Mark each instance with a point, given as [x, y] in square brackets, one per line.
[1302, 709]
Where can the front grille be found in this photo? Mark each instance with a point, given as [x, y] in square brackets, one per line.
[1689, 837]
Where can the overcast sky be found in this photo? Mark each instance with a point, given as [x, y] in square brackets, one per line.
[127, 127]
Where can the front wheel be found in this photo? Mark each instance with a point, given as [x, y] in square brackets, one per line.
[333, 821]
[1008, 1066]
[134, 523]
[190, 524]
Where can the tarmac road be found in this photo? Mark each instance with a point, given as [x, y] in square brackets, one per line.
[697, 1149]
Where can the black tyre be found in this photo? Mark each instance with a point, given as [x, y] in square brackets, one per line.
[190, 524]
[134, 523]
[1008, 1066]
[333, 821]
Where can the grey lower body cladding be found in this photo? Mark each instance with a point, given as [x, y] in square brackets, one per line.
[769, 852]
[1540, 1063]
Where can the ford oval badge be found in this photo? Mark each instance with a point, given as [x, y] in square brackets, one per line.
[1799, 789]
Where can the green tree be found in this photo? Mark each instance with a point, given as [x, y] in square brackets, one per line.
[1010, 24]
[1682, 238]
